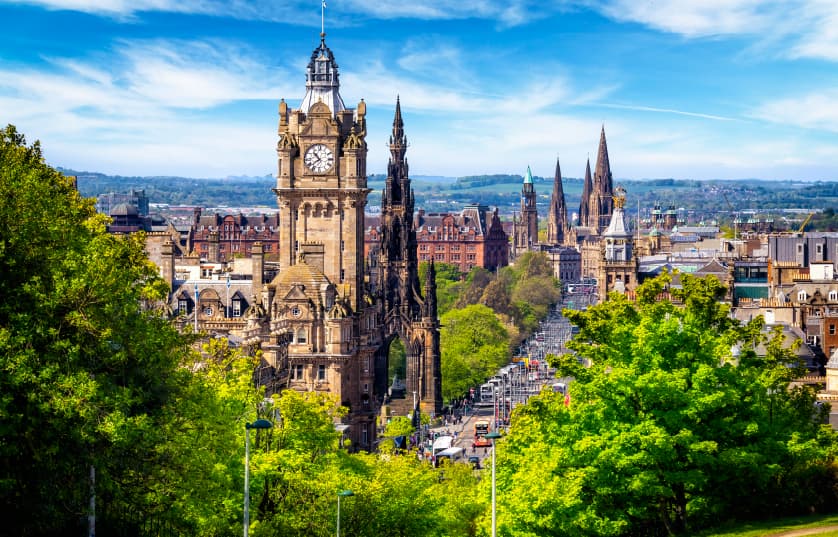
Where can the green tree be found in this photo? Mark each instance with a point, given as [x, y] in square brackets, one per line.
[667, 431]
[86, 373]
[474, 345]
[449, 284]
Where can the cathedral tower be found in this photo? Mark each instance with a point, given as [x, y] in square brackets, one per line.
[557, 217]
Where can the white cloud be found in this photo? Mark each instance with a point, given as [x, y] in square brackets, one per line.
[810, 25]
[507, 13]
[816, 110]
[666, 111]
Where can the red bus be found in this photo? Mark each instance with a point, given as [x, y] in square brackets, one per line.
[481, 429]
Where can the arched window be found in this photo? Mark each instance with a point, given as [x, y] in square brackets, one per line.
[833, 295]
[801, 296]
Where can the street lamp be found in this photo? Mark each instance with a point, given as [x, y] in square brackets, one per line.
[493, 435]
[258, 424]
[343, 493]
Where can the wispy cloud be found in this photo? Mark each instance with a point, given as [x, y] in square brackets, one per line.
[811, 25]
[507, 13]
[665, 111]
[815, 110]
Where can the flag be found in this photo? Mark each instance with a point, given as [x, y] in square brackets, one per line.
[324, 3]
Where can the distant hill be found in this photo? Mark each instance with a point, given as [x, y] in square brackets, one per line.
[704, 199]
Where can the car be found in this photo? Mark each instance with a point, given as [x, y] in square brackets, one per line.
[474, 461]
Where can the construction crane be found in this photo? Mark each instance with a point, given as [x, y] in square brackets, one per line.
[806, 221]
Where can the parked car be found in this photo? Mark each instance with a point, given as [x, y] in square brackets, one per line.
[474, 461]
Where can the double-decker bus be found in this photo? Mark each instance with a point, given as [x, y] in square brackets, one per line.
[481, 429]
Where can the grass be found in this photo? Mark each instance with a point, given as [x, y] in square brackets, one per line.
[772, 527]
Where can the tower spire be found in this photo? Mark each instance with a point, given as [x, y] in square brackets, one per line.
[557, 217]
[585, 202]
[603, 186]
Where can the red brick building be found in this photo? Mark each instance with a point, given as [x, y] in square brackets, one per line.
[217, 237]
[473, 238]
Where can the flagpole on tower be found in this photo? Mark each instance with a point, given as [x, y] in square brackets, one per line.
[323, 17]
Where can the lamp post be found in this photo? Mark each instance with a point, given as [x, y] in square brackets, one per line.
[258, 424]
[493, 435]
[343, 493]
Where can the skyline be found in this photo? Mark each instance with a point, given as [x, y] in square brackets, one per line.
[690, 90]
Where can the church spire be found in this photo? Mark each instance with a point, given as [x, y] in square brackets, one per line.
[584, 203]
[603, 181]
[603, 187]
[557, 217]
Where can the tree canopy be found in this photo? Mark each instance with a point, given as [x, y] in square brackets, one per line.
[668, 430]
[86, 371]
[474, 345]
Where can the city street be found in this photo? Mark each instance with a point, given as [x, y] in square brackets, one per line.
[518, 383]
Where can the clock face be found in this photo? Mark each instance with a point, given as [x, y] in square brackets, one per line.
[319, 158]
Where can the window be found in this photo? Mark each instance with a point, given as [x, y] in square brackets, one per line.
[297, 372]
[833, 296]
[364, 435]
[301, 335]
[182, 306]
[470, 257]
[801, 296]
[455, 247]
[440, 247]
[799, 248]
[831, 329]
[237, 308]
[321, 372]
[342, 274]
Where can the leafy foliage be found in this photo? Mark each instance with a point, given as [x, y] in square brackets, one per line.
[667, 431]
[86, 373]
[474, 345]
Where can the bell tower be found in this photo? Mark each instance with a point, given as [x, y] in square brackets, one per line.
[321, 183]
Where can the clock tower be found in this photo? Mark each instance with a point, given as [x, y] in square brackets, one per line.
[321, 184]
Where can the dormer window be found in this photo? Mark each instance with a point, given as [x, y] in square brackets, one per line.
[833, 296]
[801, 296]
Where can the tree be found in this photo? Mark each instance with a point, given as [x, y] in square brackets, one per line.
[667, 431]
[448, 284]
[86, 372]
[474, 345]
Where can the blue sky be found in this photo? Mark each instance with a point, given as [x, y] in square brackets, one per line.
[685, 88]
